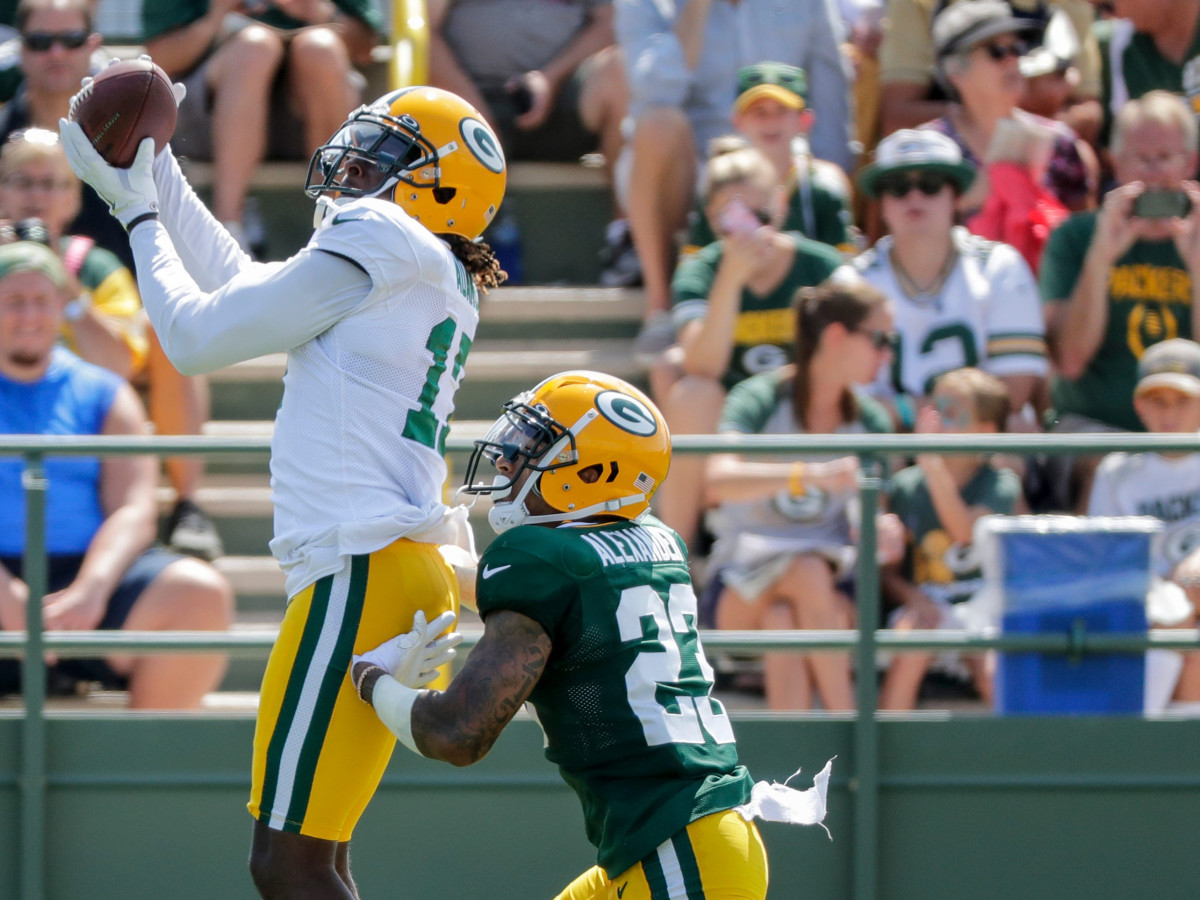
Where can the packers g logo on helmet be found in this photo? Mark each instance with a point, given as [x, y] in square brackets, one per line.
[427, 150]
[594, 445]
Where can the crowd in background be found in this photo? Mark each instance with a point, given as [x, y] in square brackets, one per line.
[940, 216]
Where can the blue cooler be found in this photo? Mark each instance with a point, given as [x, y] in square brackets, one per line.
[1054, 574]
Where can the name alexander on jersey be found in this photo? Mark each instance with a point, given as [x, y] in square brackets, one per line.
[630, 546]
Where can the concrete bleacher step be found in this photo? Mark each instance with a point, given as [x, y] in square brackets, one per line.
[496, 370]
[561, 210]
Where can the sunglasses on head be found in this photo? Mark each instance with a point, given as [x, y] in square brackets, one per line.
[998, 52]
[41, 41]
[879, 339]
[928, 183]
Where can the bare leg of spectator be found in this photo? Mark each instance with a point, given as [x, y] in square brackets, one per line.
[692, 406]
[602, 105]
[902, 684]
[318, 81]
[786, 682]
[187, 596]
[240, 77]
[809, 586]
[661, 183]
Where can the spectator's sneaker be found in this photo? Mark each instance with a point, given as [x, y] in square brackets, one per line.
[621, 267]
[657, 334]
[190, 531]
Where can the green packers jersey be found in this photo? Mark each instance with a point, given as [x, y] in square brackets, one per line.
[933, 561]
[1149, 300]
[1134, 66]
[625, 698]
[765, 333]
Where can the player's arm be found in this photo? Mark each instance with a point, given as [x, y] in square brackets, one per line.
[264, 309]
[460, 725]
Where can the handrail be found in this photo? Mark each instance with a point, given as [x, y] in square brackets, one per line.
[32, 643]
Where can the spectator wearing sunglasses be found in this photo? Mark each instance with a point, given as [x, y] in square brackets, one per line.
[979, 46]
[938, 501]
[731, 311]
[958, 299]
[785, 524]
[58, 49]
[909, 91]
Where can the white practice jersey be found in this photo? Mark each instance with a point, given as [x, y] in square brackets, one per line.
[376, 316]
[988, 314]
[1149, 484]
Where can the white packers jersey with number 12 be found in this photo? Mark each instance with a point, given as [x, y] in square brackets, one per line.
[357, 455]
[987, 313]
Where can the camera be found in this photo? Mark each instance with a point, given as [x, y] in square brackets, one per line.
[1157, 203]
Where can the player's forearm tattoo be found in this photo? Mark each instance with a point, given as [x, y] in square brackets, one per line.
[461, 724]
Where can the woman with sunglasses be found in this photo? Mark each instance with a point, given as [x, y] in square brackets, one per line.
[785, 536]
[979, 46]
[959, 300]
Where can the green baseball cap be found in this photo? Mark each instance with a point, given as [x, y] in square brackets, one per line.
[779, 81]
[27, 256]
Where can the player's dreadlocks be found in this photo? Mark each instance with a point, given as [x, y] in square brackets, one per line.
[478, 259]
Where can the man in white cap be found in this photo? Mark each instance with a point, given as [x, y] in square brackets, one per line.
[959, 300]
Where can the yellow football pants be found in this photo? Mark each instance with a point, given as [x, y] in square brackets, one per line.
[319, 751]
[718, 857]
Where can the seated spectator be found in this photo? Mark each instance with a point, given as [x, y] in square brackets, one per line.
[785, 543]
[269, 84]
[938, 501]
[1148, 45]
[1115, 282]
[732, 312]
[978, 45]
[547, 76]
[100, 514]
[681, 62]
[771, 112]
[910, 93]
[53, 61]
[959, 300]
[105, 323]
[11, 75]
[1166, 486]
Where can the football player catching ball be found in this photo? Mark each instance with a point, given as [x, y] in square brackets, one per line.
[376, 315]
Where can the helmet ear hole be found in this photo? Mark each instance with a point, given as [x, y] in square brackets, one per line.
[591, 474]
[444, 195]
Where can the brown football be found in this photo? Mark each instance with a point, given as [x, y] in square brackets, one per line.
[126, 102]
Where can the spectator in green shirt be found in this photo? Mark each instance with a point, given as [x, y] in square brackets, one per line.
[1114, 282]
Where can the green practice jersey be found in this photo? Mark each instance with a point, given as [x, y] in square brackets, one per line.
[625, 699]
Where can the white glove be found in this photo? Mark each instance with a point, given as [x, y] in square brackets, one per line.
[130, 193]
[413, 658]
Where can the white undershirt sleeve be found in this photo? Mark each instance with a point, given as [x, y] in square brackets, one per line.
[265, 308]
[208, 251]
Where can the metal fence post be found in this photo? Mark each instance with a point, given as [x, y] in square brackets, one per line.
[866, 735]
[33, 685]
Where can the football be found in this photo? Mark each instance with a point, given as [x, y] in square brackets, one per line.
[126, 102]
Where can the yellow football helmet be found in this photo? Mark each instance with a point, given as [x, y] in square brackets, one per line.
[595, 446]
[426, 149]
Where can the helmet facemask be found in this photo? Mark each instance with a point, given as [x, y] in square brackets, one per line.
[370, 153]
